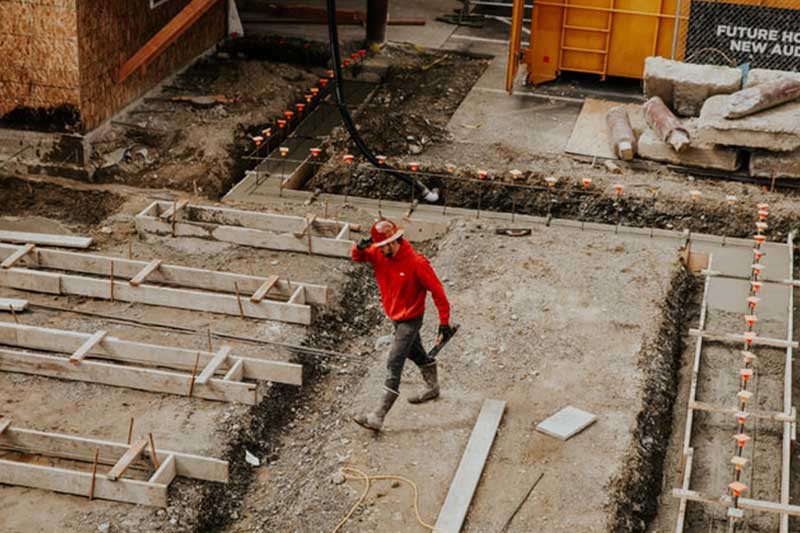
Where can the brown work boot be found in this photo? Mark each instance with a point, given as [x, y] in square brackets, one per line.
[430, 375]
[374, 420]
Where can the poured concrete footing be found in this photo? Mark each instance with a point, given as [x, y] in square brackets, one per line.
[55, 154]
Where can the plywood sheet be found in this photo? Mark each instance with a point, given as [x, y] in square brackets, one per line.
[590, 135]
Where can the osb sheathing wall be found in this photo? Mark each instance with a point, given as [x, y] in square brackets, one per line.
[111, 31]
[39, 51]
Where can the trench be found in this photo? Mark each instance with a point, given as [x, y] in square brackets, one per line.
[635, 491]
[264, 424]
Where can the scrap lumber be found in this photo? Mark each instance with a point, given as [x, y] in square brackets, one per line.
[665, 124]
[74, 448]
[13, 304]
[764, 96]
[18, 254]
[127, 458]
[264, 289]
[4, 424]
[116, 375]
[141, 276]
[213, 365]
[623, 140]
[129, 352]
[454, 511]
[173, 275]
[174, 209]
[90, 344]
[251, 228]
[738, 338]
[166, 472]
[45, 239]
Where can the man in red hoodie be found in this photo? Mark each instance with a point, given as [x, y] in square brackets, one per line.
[404, 278]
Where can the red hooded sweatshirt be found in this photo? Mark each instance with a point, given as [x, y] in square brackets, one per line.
[404, 281]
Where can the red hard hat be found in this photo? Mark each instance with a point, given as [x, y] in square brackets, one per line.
[385, 231]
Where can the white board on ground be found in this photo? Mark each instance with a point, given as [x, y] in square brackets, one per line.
[7, 304]
[454, 511]
[45, 239]
[566, 423]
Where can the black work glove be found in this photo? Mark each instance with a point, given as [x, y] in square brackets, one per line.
[445, 332]
[365, 243]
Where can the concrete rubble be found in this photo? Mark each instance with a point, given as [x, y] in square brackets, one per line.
[666, 125]
[757, 76]
[621, 133]
[761, 97]
[764, 164]
[696, 155]
[684, 86]
[776, 129]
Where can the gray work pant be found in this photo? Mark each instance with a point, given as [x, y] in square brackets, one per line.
[407, 344]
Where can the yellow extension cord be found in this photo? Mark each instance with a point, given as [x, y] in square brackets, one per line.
[367, 484]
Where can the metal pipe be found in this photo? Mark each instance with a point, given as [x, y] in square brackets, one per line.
[377, 19]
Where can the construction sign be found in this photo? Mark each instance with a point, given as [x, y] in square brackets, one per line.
[725, 33]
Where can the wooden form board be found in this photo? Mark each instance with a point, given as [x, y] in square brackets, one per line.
[9, 304]
[221, 301]
[152, 492]
[249, 228]
[45, 239]
[454, 511]
[115, 349]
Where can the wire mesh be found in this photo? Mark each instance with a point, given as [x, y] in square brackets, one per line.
[752, 33]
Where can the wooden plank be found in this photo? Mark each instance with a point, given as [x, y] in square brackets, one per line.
[17, 255]
[165, 473]
[33, 280]
[454, 511]
[213, 365]
[764, 415]
[45, 239]
[236, 371]
[115, 349]
[172, 275]
[151, 267]
[127, 458]
[75, 448]
[74, 482]
[173, 209]
[744, 503]
[9, 304]
[90, 344]
[264, 289]
[298, 296]
[145, 379]
[736, 337]
[4, 424]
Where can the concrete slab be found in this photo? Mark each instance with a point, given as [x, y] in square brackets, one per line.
[697, 155]
[757, 76]
[765, 164]
[685, 86]
[566, 423]
[776, 129]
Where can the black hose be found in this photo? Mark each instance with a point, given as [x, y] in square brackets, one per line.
[333, 35]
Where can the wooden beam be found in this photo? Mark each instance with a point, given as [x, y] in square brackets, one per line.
[248, 228]
[744, 503]
[165, 473]
[165, 37]
[35, 281]
[16, 256]
[235, 372]
[298, 296]
[151, 267]
[13, 304]
[736, 337]
[264, 289]
[115, 375]
[173, 209]
[208, 372]
[45, 239]
[74, 482]
[454, 511]
[172, 275]
[764, 415]
[115, 349]
[87, 346]
[75, 448]
[127, 458]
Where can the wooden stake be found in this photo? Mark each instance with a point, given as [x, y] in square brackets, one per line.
[194, 374]
[130, 431]
[13, 313]
[174, 215]
[238, 299]
[111, 280]
[153, 456]
[209, 339]
[130, 249]
[94, 473]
